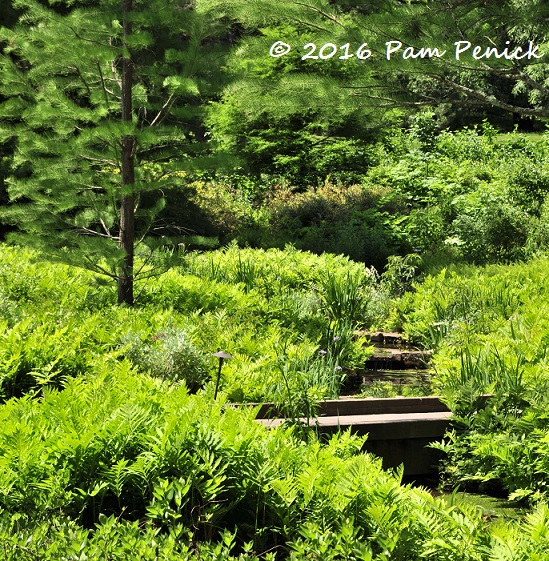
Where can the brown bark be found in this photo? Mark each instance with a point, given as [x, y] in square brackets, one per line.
[127, 203]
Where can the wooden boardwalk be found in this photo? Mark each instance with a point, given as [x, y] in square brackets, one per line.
[399, 429]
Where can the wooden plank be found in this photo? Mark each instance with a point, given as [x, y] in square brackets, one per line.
[372, 406]
[377, 406]
[385, 426]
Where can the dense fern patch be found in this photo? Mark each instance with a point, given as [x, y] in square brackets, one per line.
[286, 317]
[106, 454]
[120, 463]
[490, 329]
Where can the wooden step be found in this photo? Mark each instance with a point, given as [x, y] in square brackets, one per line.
[397, 359]
[399, 429]
[381, 337]
[385, 426]
[366, 406]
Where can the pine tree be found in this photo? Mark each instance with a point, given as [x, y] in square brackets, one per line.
[102, 99]
[339, 85]
[508, 71]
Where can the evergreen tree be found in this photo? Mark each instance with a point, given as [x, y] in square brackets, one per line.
[496, 54]
[8, 18]
[102, 99]
[338, 86]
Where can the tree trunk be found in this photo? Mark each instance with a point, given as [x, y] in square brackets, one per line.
[127, 203]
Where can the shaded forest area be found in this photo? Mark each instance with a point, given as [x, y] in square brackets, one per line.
[270, 151]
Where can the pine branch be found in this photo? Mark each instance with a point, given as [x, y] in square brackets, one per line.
[531, 82]
[99, 160]
[90, 232]
[489, 99]
[103, 85]
[100, 218]
[93, 266]
[169, 102]
[322, 13]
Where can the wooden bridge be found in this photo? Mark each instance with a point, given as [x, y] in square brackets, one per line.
[398, 429]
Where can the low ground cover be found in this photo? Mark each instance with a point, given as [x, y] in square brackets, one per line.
[105, 454]
[120, 464]
[490, 330]
[286, 317]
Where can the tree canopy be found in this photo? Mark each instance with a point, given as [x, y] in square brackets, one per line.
[371, 64]
[104, 101]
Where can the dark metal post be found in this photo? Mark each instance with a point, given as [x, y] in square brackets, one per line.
[221, 355]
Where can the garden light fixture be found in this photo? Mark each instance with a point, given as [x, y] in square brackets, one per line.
[221, 355]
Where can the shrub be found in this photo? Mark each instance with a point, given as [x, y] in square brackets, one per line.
[334, 219]
[170, 355]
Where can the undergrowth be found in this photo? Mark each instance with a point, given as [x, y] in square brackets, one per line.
[490, 329]
[120, 464]
[104, 450]
[274, 312]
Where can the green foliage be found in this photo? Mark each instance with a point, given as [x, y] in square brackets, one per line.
[120, 461]
[250, 303]
[490, 330]
[334, 218]
[302, 148]
[170, 355]
[463, 196]
[462, 192]
[36, 355]
[222, 207]
[100, 134]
